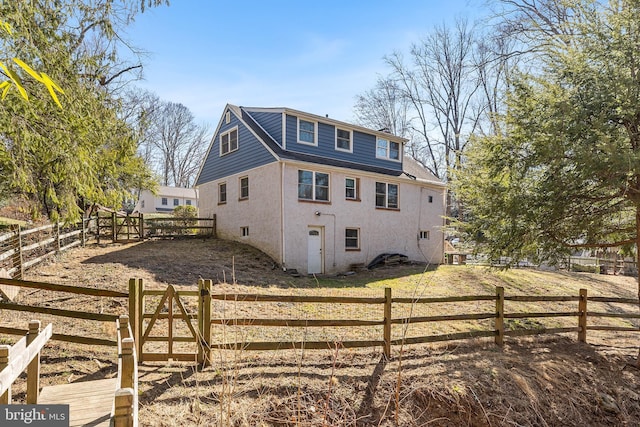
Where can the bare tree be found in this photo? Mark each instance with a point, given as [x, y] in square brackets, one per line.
[169, 139]
[180, 144]
[494, 65]
[533, 23]
[384, 107]
[441, 84]
[141, 110]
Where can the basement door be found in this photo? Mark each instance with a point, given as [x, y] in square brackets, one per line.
[314, 250]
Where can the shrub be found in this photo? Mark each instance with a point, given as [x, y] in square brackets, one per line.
[187, 217]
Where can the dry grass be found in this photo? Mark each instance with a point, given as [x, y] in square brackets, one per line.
[530, 382]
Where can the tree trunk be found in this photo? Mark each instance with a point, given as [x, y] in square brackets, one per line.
[638, 263]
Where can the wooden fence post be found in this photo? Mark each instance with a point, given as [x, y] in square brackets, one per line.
[134, 309]
[83, 236]
[387, 322]
[582, 319]
[200, 341]
[98, 227]
[140, 317]
[5, 399]
[16, 259]
[141, 226]
[204, 321]
[33, 369]
[127, 363]
[123, 410]
[123, 323]
[114, 229]
[499, 316]
[57, 237]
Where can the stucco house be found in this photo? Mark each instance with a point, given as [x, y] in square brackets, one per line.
[317, 194]
[166, 199]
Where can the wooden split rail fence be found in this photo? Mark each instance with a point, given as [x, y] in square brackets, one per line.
[68, 291]
[174, 324]
[172, 309]
[22, 248]
[115, 227]
[388, 321]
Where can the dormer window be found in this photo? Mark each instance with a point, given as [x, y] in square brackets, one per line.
[307, 132]
[343, 140]
[386, 149]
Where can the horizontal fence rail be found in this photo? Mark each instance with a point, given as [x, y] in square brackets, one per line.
[61, 312]
[496, 314]
[22, 248]
[199, 318]
[117, 227]
[615, 265]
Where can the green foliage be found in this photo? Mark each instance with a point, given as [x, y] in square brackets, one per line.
[14, 79]
[187, 215]
[566, 172]
[185, 212]
[65, 160]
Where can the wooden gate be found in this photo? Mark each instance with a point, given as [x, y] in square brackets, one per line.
[165, 329]
[128, 227]
[119, 228]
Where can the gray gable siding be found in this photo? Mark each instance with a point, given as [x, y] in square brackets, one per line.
[271, 123]
[250, 154]
[364, 146]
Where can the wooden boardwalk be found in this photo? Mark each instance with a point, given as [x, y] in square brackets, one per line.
[90, 402]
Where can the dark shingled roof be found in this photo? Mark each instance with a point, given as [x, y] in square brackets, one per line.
[290, 155]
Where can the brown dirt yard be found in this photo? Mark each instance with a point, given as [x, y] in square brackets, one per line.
[550, 380]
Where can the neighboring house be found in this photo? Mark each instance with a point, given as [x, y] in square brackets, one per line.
[317, 194]
[166, 200]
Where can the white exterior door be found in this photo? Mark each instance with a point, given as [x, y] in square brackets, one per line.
[314, 253]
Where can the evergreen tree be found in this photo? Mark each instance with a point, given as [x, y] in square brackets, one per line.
[565, 173]
[64, 159]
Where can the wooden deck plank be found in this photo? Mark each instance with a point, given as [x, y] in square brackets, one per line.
[90, 402]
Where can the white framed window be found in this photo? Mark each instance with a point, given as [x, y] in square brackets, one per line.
[352, 188]
[386, 149]
[165, 202]
[352, 239]
[188, 202]
[244, 231]
[313, 186]
[344, 140]
[244, 188]
[176, 202]
[386, 195]
[307, 132]
[424, 235]
[229, 141]
[227, 117]
[222, 193]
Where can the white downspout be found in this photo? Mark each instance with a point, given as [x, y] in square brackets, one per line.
[283, 255]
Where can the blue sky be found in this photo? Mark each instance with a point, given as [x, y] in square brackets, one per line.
[314, 56]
